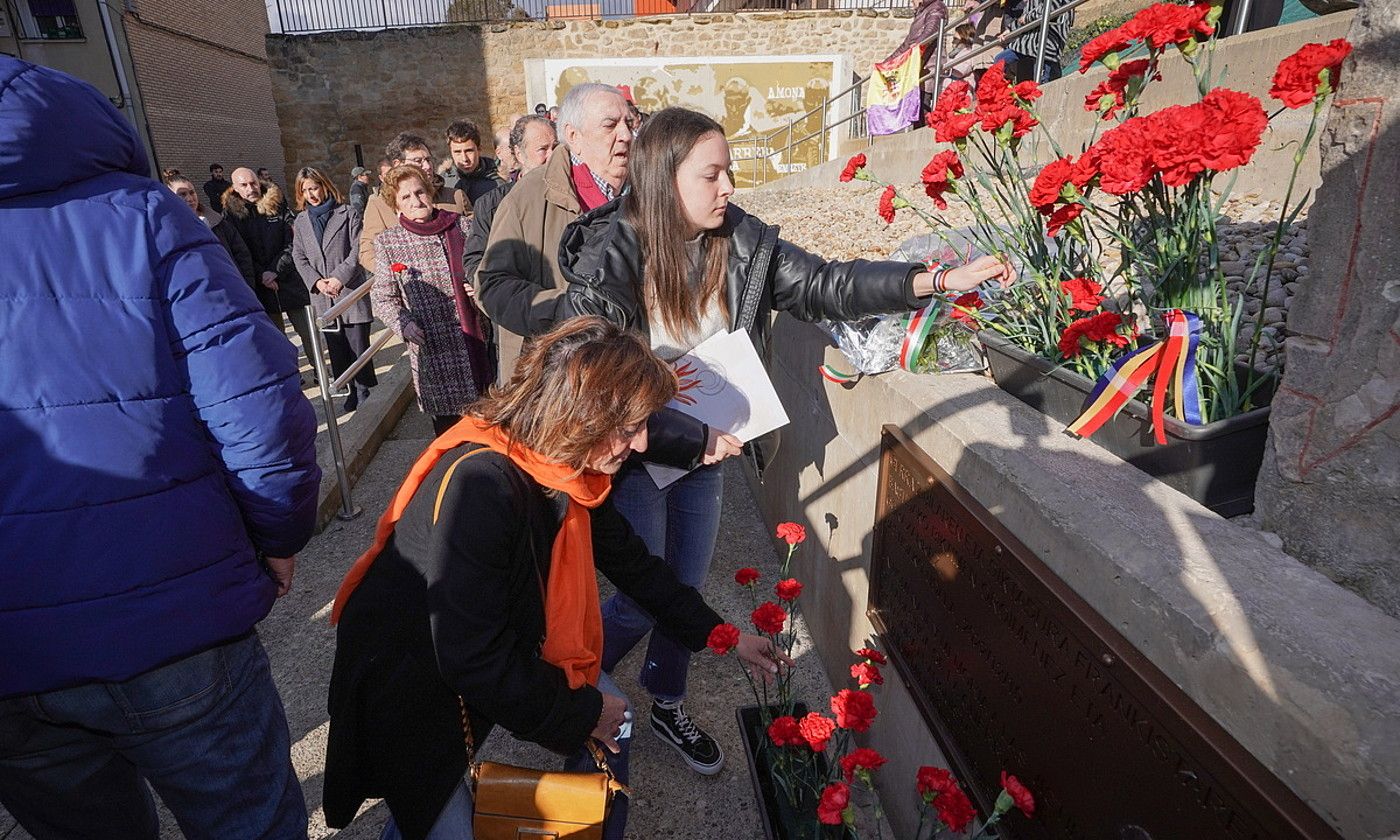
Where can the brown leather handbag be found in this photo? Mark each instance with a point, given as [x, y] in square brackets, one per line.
[521, 803]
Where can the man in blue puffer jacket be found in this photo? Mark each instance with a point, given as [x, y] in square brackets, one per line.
[155, 448]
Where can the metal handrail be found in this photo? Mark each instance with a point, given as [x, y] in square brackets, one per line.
[346, 302]
[939, 67]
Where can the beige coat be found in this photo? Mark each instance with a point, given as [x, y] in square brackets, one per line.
[519, 280]
[380, 216]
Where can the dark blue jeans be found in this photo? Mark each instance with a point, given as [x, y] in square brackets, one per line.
[208, 732]
[678, 524]
[1021, 67]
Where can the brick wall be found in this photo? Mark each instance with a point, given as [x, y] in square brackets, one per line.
[204, 82]
[334, 90]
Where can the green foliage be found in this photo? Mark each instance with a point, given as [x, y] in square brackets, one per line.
[1081, 35]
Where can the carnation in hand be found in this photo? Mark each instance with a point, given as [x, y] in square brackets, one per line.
[723, 638]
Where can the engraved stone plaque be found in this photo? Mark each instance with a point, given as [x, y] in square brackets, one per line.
[1013, 671]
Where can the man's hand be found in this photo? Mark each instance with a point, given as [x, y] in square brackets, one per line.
[610, 721]
[269, 280]
[281, 569]
[719, 446]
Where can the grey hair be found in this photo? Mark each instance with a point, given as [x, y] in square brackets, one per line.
[517, 131]
[576, 101]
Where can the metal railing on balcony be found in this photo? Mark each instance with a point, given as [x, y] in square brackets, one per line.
[782, 142]
[293, 17]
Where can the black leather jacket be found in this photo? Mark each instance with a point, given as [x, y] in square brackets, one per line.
[600, 258]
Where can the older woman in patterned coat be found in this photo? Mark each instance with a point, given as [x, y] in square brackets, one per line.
[420, 292]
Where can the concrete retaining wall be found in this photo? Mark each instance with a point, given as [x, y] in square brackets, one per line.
[1305, 674]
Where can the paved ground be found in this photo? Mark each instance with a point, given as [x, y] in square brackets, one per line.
[671, 801]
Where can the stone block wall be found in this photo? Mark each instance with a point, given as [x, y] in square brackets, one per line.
[336, 90]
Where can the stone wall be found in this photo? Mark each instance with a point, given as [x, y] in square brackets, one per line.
[1331, 479]
[336, 90]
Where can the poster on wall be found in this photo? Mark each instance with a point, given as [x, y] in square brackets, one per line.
[752, 97]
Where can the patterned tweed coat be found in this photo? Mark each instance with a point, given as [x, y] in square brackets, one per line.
[442, 372]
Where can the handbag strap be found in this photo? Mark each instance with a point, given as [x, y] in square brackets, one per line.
[517, 490]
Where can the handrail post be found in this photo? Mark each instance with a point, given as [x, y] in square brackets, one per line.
[938, 68]
[347, 504]
[1044, 33]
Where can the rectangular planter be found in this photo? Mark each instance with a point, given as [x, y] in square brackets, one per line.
[776, 814]
[1216, 464]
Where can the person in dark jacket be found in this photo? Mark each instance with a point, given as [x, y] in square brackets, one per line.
[676, 262]
[216, 185]
[477, 605]
[471, 172]
[259, 212]
[159, 479]
[223, 230]
[532, 141]
[359, 191]
[326, 252]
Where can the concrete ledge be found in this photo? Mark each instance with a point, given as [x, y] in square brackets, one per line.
[1305, 674]
[361, 435]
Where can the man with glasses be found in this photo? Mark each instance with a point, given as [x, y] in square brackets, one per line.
[412, 150]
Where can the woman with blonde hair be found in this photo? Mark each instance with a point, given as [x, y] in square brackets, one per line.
[421, 293]
[325, 250]
[478, 602]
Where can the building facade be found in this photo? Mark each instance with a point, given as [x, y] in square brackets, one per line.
[191, 75]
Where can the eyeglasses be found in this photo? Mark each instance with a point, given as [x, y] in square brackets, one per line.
[418, 161]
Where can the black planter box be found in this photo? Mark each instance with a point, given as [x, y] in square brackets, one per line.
[1216, 464]
[776, 814]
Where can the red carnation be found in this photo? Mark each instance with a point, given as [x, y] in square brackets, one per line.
[867, 674]
[939, 174]
[1102, 327]
[954, 808]
[932, 781]
[769, 618]
[862, 759]
[1238, 120]
[831, 810]
[948, 119]
[971, 301]
[886, 208]
[1084, 293]
[1109, 43]
[723, 638]
[855, 710]
[1112, 94]
[791, 533]
[854, 165]
[1050, 184]
[1027, 91]
[746, 576]
[1165, 24]
[398, 267]
[816, 730]
[872, 654]
[788, 590]
[1299, 80]
[1124, 157]
[1020, 796]
[1062, 216]
[784, 732]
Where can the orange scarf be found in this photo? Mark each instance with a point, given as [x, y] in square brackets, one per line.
[573, 620]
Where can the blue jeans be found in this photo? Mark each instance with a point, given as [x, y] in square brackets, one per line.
[208, 732]
[679, 524]
[454, 822]
[1019, 66]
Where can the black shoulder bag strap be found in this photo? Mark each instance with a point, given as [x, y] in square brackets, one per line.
[757, 279]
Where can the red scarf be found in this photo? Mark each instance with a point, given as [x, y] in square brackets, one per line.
[573, 619]
[588, 192]
[443, 223]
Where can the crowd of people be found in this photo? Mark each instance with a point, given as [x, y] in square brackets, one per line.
[543, 295]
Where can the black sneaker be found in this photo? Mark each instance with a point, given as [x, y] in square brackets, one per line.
[695, 745]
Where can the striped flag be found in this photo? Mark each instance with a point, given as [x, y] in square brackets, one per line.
[892, 94]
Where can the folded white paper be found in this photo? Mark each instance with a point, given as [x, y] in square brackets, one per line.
[725, 384]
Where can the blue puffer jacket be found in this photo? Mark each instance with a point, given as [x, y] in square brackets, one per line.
[152, 431]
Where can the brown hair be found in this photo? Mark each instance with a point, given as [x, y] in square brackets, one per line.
[463, 130]
[311, 173]
[655, 211]
[402, 143]
[171, 180]
[575, 386]
[389, 190]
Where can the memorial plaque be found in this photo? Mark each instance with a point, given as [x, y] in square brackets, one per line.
[1013, 671]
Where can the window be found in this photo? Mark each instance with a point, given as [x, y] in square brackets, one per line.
[50, 20]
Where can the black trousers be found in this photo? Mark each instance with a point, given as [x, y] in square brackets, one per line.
[345, 347]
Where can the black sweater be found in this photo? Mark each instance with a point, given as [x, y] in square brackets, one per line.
[455, 609]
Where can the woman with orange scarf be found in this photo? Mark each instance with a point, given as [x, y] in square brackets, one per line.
[480, 585]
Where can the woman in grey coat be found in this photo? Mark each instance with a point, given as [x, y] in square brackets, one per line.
[325, 249]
